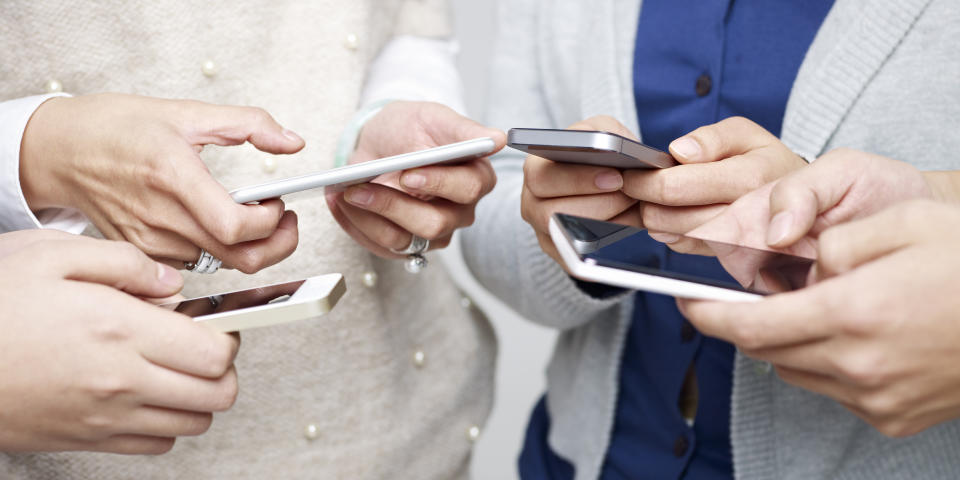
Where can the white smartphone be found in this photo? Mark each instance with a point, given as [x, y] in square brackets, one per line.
[588, 147]
[598, 251]
[266, 305]
[364, 172]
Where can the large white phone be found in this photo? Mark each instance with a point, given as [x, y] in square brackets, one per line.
[364, 172]
[266, 305]
[601, 252]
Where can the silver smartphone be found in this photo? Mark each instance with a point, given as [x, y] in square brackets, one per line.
[364, 172]
[266, 305]
[614, 254]
[588, 147]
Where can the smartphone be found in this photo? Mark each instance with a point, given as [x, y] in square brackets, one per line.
[364, 172]
[604, 149]
[266, 305]
[598, 251]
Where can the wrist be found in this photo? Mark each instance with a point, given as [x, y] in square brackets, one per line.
[37, 148]
[351, 133]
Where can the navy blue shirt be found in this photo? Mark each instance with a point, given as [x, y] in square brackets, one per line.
[696, 62]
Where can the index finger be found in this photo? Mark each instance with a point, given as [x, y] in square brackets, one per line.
[777, 320]
[548, 179]
[464, 183]
[695, 184]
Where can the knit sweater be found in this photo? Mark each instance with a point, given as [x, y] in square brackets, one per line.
[340, 396]
[881, 76]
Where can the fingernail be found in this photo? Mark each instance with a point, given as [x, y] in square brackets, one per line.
[667, 238]
[686, 147]
[360, 196]
[779, 228]
[413, 180]
[292, 136]
[168, 275]
[608, 181]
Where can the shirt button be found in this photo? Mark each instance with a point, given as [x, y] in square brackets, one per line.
[311, 432]
[680, 446]
[687, 332]
[209, 69]
[466, 303]
[704, 85]
[53, 86]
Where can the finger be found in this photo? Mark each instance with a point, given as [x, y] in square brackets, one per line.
[797, 200]
[376, 228]
[846, 246]
[817, 383]
[226, 221]
[164, 422]
[13, 242]
[726, 138]
[232, 125]
[119, 265]
[251, 257]
[604, 123]
[697, 184]
[429, 220]
[446, 126]
[678, 220]
[131, 445]
[777, 320]
[464, 184]
[177, 343]
[547, 179]
[163, 388]
[537, 212]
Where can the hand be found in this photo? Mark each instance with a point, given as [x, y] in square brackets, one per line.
[720, 163]
[789, 214]
[583, 190]
[881, 336]
[84, 366]
[132, 166]
[430, 202]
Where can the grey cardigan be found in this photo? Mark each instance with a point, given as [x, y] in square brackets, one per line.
[881, 76]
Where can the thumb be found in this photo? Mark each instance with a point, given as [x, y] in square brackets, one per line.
[115, 264]
[446, 126]
[727, 138]
[231, 125]
[798, 199]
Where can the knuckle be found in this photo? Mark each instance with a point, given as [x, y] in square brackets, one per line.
[259, 115]
[218, 357]
[863, 369]
[747, 336]
[668, 189]
[434, 226]
[108, 387]
[394, 237]
[472, 191]
[160, 446]
[110, 329]
[198, 424]
[228, 393]
[249, 260]
[893, 428]
[881, 404]
[227, 228]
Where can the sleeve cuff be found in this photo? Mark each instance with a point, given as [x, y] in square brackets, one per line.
[15, 214]
[418, 69]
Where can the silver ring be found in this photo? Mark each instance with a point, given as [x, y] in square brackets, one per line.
[207, 264]
[417, 246]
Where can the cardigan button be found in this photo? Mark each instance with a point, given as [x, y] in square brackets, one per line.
[311, 432]
[473, 433]
[209, 69]
[419, 359]
[704, 85]
[370, 279]
[53, 86]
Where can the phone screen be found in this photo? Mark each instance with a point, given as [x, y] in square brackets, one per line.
[628, 248]
[226, 302]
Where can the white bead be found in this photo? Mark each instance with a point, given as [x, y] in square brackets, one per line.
[473, 433]
[419, 358]
[311, 432]
[370, 279]
[269, 165]
[415, 263]
[352, 41]
[466, 303]
[209, 69]
[53, 86]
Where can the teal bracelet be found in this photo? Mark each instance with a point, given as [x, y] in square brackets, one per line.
[351, 134]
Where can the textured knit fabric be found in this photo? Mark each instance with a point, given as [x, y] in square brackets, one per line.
[350, 373]
[880, 76]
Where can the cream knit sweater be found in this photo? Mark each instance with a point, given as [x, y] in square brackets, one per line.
[339, 397]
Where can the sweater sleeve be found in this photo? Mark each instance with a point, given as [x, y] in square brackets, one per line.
[501, 249]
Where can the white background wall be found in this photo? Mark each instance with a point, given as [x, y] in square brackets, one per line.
[524, 348]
